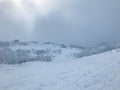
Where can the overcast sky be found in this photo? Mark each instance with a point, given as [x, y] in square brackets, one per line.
[81, 22]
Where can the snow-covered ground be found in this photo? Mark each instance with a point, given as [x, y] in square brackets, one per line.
[55, 51]
[97, 72]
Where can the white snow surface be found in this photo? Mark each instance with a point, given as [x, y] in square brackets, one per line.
[97, 72]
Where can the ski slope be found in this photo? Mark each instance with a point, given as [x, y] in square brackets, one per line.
[97, 72]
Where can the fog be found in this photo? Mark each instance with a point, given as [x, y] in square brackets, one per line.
[80, 22]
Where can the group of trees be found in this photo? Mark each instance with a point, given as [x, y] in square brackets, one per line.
[4, 44]
[12, 43]
[18, 56]
[8, 56]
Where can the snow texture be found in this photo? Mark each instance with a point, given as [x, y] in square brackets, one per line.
[96, 72]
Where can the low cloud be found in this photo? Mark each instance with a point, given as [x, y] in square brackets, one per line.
[81, 22]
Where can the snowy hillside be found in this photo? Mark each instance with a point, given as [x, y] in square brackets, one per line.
[17, 52]
[54, 51]
[97, 72]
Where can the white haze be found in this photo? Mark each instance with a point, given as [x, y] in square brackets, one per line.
[82, 22]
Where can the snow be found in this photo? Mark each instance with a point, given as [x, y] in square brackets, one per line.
[97, 72]
[65, 55]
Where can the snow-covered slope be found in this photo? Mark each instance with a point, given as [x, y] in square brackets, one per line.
[97, 72]
[16, 52]
[20, 52]
[54, 50]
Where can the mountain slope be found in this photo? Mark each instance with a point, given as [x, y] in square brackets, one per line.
[16, 52]
[97, 72]
[53, 50]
